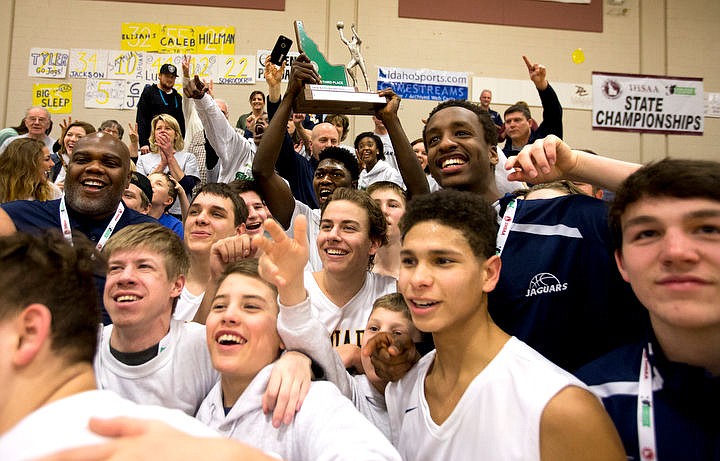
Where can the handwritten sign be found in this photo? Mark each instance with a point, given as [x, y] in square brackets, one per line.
[48, 62]
[260, 62]
[123, 65]
[86, 63]
[140, 36]
[55, 97]
[176, 38]
[204, 66]
[133, 90]
[214, 40]
[154, 61]
[104, 94]
[238, 69]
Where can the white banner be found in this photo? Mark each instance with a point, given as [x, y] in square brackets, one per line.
[647, 104]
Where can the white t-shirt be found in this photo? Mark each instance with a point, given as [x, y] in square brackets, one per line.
[235, 152]
[180, 376]
[187, 305]
[326, 428]
[497, 418]
[313, 229]
[389, 150]
[346, 324]
[63, 424]
[382, 171]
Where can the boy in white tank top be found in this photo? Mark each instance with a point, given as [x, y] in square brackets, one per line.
[481, 393]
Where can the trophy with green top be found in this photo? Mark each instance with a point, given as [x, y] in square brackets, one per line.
[335, 96]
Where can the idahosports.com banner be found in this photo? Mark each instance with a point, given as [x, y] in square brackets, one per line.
[427, 84]
[647, 103]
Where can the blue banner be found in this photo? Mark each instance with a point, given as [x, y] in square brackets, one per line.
[425, 91]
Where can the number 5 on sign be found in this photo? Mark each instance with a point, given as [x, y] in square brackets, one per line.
[237, 70]
[104, 94]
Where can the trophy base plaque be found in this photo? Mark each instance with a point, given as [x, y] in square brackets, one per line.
[328, 99]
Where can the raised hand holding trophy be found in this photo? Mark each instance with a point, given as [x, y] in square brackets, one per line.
[335, 96]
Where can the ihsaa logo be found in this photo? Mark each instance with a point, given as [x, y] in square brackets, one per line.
[544, 282]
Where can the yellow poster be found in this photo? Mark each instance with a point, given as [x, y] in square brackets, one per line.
[177, 39]
[140, 36]
[215, 40]
[55, 97]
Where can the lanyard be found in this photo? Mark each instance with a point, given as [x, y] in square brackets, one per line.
[645, 411]
[163, 98]
[67, 230]
[505, 225]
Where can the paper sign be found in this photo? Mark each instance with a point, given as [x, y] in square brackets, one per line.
[204, 66]
[214, 40]
[55, 97]
[86, 63]
[154, 61]
[104, 94]
[48, 62]
[175, 39]
[123, 65]
[262, 55]
[140, 36]
[236, 70]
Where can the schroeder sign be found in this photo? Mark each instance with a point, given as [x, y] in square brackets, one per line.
[647, 103]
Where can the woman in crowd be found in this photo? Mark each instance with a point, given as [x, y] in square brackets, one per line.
[369, 150]
[70, 136]
[167, 156]
[24, 169]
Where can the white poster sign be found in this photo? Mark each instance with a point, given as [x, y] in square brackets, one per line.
[87, 63]
[262, 55]
[236, 69]
[104, 94]
[48, 62]
[647, 104]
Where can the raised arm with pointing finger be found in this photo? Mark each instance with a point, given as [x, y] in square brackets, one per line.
[518, 119]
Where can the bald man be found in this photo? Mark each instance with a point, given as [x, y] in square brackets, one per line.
[98, 174]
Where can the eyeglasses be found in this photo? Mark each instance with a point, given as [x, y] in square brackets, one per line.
[111, 131]
[36, 119]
